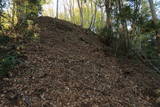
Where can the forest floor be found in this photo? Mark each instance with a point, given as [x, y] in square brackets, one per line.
[69, 67]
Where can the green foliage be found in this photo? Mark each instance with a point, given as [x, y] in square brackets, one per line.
[9, 57]
[28, 10]
[125, 13]
[149, 26]
[146, 44]
[4, 40]
[7, 63]
[32, 31]
[150, 48]
[31, 35]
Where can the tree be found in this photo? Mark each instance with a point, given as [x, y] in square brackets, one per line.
[57, 10]
[108, 12]
[26, 10]
[155, 20]
[2, 5]
[94, 14]
[153, 12]
[80, 5]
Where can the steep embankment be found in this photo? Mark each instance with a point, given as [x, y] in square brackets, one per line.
[68, 67]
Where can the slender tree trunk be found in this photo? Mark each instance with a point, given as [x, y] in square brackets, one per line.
[153, 12]
[109, 18]
[0, 18]
[102, 15]
[20, 9]
[57, 10]
[155, 20]
[73, 12]
[81, 11]
[92, 15]
[65, 14]
[93, 19]
[0, 22]
[124, 30]
[13, 14]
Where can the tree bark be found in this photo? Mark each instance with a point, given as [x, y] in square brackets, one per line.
[93, 18]
[57, 10]
[108, 12]
[155, 21]
[81, 11]
[153, 12]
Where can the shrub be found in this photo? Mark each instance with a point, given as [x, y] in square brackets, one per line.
[6, 64]
[4, 39]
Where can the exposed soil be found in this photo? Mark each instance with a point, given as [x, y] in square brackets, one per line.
[70, 67]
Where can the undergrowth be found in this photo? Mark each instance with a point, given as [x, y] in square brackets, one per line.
[7, 63]
[10, 48]
[8, 56]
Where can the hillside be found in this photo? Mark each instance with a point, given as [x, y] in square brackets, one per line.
[70, 67]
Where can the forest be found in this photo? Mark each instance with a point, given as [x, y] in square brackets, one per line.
[79, 53]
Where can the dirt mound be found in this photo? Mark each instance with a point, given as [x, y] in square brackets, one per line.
[68, 67]
[57, 24]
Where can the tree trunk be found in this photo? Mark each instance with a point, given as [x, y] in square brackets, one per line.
[93, 18]
[81, 11]
[57, 11]
[102, 16]
[109, 18]
[124, 37]
[155, 20]
[153, 12]
[13, 14]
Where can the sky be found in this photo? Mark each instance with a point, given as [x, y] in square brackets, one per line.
[53, 5]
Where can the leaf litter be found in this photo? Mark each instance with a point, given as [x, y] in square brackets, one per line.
[68, 67]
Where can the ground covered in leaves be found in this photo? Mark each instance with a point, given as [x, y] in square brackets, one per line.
[69, 67]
